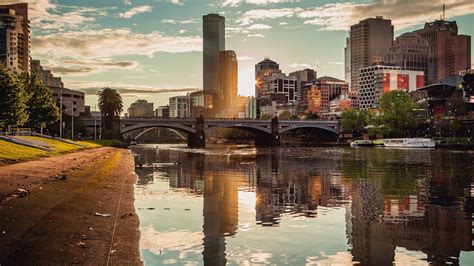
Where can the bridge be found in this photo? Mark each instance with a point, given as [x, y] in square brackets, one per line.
[267, 132]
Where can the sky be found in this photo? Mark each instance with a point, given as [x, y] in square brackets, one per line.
[153, 49]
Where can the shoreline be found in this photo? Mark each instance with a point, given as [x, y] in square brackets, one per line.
[72, 209]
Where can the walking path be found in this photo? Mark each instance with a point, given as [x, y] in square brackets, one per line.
[75, 209]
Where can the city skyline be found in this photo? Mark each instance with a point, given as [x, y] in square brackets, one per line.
[75, 40]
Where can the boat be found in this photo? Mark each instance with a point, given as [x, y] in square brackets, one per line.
[410, 143]
[362, 143]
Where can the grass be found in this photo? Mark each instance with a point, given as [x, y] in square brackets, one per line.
[11, 153]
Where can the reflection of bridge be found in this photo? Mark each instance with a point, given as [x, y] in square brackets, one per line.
[267, 132]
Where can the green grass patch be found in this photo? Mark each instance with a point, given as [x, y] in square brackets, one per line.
[12, 153]
[106, 143]
[58, 147]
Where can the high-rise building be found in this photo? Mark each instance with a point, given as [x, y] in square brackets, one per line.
[179, 107]
[305, 76]
[451, 52]
[15, 37]
[370, 40]
[213, 44]
[229, 77]
[279, 83]
[162, 111]
[141, 108]
[347, 61]
[379, 79]
[329, 89]
[262, 69]
[410, 52]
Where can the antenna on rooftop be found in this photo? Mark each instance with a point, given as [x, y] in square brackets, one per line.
[444, 11]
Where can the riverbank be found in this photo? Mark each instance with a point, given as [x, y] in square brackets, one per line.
[70, 209]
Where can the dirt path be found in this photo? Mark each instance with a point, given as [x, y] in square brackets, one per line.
[56, 224]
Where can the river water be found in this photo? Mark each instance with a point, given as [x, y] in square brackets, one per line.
[239, 205]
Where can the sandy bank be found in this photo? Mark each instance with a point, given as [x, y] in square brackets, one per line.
[56, 222]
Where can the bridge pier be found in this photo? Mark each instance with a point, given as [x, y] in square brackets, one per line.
[198, 139]
[269, 140]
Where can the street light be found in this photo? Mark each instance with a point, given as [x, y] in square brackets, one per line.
[61, 113]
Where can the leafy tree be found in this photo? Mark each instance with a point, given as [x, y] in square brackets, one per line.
[353, 120]
[312, 116]
[455, 125]
[397, 112]
[13, 100]
[110, 106]
[468, 84]
[294, 117]
[41, 105]
[455, 104]
[265, 117]
[285, 115]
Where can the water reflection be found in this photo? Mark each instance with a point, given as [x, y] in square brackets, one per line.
[396, 205]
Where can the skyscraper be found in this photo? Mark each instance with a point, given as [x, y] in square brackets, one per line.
[213, 44]
[15, 37]
[451, 52]
[370, 40]
[229, 77]
[263, 69]
[410, 52]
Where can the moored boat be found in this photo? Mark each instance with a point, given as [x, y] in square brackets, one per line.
[362, 143]
[410, 143]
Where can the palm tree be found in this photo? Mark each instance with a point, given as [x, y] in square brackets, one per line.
[110, 106]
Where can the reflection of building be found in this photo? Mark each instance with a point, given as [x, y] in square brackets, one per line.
[141, 108]
[15, 37]
[72, 100]
[376, 80]
[451, 52]
[370, 40]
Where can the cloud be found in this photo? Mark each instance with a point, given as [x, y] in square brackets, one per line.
[299, 65]
[173, 21]
[256, 35]
[91, 88]
[177, 2]
[182, 31]
[251, 16]
[85, 67]
[245, 58]
[45, 15]
[106, 43]
[234, 3]
[339, 16]
[135, 11]
[259, 27]
[335, 63]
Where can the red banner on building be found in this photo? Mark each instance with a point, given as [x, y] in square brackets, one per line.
[386, 82]
[402, 82]
[420, 81]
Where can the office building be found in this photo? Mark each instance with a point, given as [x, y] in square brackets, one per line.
[15, 37]
[141, 108]
[370, 40]
[305, 76]
[229, 78]
[162, 111]
[180, 107]
[250, 108]
[451, 52]
[379, 79]
[279, 83]
[262, 69]
[347, 61]
[213, 44]
[410, 52]
[72, 100]
[329, 89]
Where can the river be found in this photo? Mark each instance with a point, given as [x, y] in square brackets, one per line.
[304, 205]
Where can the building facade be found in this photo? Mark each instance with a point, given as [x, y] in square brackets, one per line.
[279, 83]
[451, 52]
[370, 40]
[179, 107]
[304, 77]
[15, 37]
[229, 78]
[262, 69]
[410, 52]
[162, 111]
[379, 79]
[330, 88]
[141, 108]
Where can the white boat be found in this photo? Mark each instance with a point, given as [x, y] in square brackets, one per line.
[362, 143]
[410, 143]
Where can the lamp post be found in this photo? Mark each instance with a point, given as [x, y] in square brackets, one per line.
[72, 122]
[61, 113]
[95, 124]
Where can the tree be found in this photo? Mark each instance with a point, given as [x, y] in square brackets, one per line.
[353, 120]
[265, 117]
[455, 104]
[110, 106]
[41, 105]
[285, 115]
[13, 100]
[397, 112]
[468, 84]
[312, 116]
